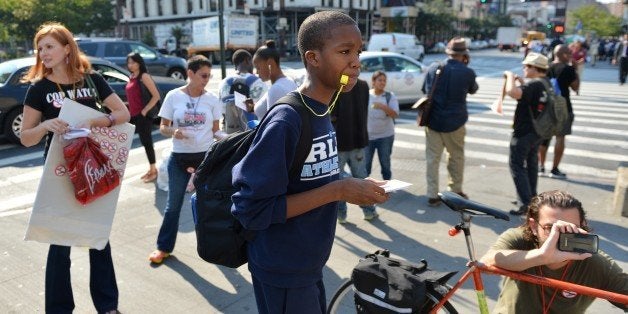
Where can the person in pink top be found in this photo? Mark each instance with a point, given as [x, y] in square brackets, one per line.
[578, 57]
[138, 109]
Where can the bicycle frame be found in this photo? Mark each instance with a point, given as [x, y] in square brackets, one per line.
[476, 269]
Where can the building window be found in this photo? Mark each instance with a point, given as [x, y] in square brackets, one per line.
[213, 5]
[174, 7]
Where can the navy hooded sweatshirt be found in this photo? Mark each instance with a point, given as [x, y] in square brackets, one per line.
[287, 253]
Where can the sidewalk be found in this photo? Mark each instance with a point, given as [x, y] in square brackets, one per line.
[184, 283]
[407, 227]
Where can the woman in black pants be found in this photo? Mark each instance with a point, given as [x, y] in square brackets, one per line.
[139, 110]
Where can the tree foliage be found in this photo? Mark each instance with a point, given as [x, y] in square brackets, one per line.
[177, 32]
[594, 19]
[22, 18]
[435, 22]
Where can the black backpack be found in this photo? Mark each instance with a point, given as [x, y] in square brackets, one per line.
[552, 118]
[241, 85]
[221, 239]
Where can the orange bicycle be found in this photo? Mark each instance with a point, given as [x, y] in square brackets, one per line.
[438, 295]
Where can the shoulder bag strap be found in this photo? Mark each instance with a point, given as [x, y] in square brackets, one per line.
[92, 86]
[438, 73]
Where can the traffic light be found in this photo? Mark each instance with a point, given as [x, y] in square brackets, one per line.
[549, 26]
[559, 28]
[486, 1]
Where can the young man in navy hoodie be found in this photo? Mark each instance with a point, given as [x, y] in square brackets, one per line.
[295, 219]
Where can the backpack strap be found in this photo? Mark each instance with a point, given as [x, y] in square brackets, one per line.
[388, 96]
[305, 138]
[548, 90]
[251, 79]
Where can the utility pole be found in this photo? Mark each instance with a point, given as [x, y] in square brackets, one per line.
[221, 32]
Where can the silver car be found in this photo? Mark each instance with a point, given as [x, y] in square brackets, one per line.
[404, 75]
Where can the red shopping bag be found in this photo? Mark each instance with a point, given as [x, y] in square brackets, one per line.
[90, 170]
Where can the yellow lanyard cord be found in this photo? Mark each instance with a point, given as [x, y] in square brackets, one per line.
[329, 109]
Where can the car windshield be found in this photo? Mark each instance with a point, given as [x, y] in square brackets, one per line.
[144, 51]
[111, 74]
[6, 69]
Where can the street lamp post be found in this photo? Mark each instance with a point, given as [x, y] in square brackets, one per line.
[221, 32]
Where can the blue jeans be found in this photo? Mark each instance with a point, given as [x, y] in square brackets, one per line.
[357, 163]
[102, 280]
[523, 164]
[177, 183]
[384, 147]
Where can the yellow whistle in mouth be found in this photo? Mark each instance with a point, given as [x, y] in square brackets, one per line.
[344, 79]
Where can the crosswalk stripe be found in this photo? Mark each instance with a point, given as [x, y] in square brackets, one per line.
[501, 158]
[506, 144]
[503, 121]
[583, 116]
[8, 206]
[40, 155]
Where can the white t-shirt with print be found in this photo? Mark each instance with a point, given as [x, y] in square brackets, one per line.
[194, 116]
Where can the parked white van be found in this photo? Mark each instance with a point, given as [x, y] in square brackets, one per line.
[405, 44]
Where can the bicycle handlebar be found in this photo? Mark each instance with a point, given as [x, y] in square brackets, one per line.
[460, 204]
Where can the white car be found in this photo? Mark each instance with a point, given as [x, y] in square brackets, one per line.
[404, 75]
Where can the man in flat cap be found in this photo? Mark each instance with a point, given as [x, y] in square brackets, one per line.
[531, 98]
[445, 127]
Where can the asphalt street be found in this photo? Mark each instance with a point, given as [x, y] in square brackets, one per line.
[406, 226]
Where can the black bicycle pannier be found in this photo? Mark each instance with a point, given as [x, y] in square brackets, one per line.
[387, 285]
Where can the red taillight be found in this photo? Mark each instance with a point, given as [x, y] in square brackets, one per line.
[453, 231]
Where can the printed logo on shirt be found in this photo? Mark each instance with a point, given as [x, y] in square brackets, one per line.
[542, 101]
[56, 98]
[569, 294]
[192, 119]
[323, 158]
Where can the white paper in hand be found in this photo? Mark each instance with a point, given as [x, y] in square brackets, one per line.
[76, 133]
[239, 100]
[394, 185]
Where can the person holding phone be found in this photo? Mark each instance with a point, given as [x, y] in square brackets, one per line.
[533, 248]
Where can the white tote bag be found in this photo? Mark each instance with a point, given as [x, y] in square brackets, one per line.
[57, 217]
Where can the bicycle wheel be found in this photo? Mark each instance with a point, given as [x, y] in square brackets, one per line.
[433, 295]
[342, 300]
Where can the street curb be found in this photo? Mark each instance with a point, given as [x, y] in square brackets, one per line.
[620, 197]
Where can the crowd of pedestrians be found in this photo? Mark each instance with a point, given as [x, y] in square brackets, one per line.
[295, 218]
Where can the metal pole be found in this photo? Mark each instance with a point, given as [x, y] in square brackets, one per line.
[221, 26]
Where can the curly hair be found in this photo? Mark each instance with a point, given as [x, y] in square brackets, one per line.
[556, 199]
[317, 28]
[77, 62]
